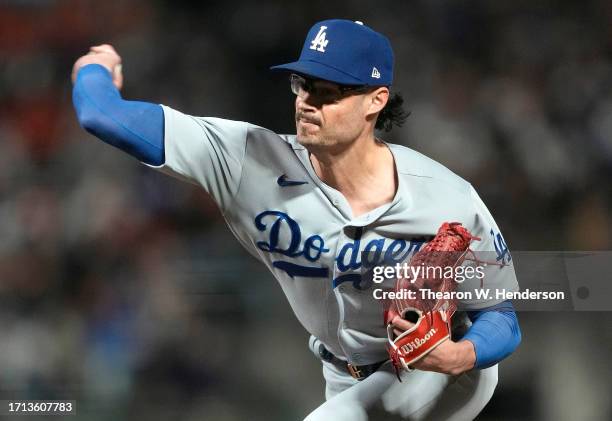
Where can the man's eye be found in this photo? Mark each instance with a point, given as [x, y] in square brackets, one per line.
[326, 92]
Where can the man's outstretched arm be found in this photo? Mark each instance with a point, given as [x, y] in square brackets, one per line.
[132, 126]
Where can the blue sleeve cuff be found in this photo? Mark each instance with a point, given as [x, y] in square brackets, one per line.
[132, 126]
[495, 334]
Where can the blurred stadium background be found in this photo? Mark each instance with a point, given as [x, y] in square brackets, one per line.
[123, 290]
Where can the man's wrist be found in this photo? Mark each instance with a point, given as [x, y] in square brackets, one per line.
[465, 357]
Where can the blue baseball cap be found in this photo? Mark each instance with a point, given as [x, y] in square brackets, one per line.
[344, 52]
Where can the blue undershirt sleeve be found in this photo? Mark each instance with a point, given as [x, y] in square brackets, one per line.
[495, 333]
[132, 126]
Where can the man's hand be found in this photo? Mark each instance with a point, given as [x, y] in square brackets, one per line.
[449, 357]
[104, 55]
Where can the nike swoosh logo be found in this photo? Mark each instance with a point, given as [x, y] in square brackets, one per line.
[284, 182]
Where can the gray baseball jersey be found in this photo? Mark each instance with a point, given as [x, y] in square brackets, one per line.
[304, 230]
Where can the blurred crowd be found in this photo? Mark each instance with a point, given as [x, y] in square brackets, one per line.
[123, 289]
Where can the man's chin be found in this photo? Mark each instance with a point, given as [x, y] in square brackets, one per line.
[306, 140]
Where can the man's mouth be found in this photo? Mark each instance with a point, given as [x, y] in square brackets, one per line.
[300, 118]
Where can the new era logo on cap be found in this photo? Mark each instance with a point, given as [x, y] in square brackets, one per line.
[345, 52]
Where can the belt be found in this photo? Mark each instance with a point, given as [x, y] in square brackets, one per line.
[358, 372]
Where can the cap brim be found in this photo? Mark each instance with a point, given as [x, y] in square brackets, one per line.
[318, 71]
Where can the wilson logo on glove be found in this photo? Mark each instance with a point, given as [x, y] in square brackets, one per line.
[414, 345]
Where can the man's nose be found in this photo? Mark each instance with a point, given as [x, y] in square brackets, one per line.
[306, 102]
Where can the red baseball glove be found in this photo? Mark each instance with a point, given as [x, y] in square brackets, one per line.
[431, 268]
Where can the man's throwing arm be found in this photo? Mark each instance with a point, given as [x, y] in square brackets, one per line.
[132, 126]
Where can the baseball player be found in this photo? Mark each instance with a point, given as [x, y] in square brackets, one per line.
[320, 207]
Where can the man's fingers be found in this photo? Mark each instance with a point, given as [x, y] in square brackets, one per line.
[104, 55]
[118, 76]
[401, 323]
[106, 46]
[103, 48]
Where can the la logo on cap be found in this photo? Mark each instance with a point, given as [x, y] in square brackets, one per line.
[320, 42]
